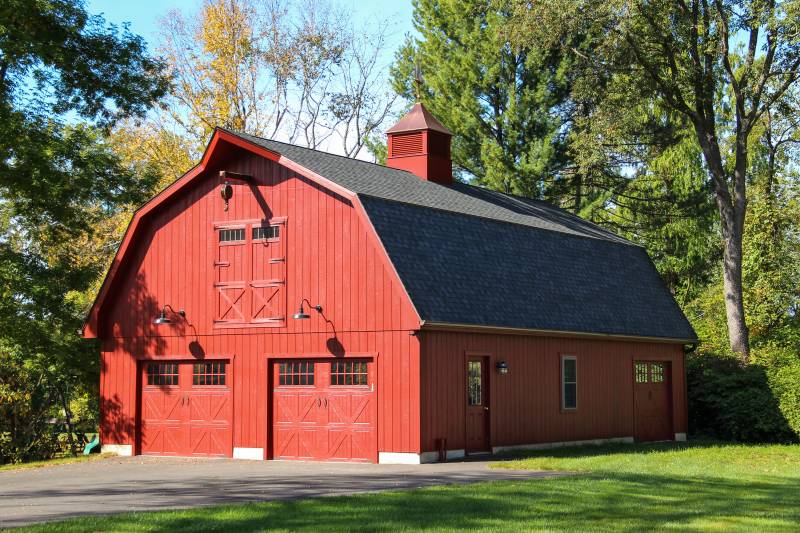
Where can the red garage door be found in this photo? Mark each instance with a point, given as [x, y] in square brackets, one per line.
[186, 409]
[652, 401]
[324, 410]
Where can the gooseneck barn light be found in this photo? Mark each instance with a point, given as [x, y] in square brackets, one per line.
[301, 314]
[164, 319]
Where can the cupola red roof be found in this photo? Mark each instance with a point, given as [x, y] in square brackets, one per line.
[417, 119]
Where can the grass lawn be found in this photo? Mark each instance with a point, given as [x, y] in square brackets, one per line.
[683, 487]
[59, 461]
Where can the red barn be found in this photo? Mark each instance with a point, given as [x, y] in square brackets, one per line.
[278, 302]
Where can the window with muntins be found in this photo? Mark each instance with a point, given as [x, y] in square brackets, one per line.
[349, 373]
[266, 232]
[640, 372]
[657, 372]
[569, 382]
[208, 374]
[474, 383]
[296, 373]
[162, 373]
[231, 235]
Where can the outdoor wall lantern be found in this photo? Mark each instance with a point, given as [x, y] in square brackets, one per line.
[301, 314]
[502, 367]
[164, 319]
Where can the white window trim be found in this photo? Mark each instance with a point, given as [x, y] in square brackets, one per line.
[564, 383]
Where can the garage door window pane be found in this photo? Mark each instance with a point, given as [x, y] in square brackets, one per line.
[349, 373]
[162, 373]
[296, 373]
[208, 374]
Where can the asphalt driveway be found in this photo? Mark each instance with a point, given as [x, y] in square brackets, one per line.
[147, 483]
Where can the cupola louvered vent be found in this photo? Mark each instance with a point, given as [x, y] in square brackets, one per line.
[407, 144]
[420, 144]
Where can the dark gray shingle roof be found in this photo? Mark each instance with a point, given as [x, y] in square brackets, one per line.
[467, 255]
[369, 179]
[467, 270]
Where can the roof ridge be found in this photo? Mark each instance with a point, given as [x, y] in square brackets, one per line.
[620, 240]
[587, 230]
[314, 150]
[554, 206]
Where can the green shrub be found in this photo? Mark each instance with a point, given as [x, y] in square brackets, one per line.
[753, 403]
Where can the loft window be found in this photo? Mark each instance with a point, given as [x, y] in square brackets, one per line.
[208, 374]
[569, 382]
[162, 373]
[228, 235]
[349, 373]
[296, 373]
[266, 232]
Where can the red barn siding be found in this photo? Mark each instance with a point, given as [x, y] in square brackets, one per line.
[525, 404]
[332, 260]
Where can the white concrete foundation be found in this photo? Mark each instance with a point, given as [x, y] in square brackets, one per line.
[253, 454]
[119, 449]
[399, 458]
[680, 437]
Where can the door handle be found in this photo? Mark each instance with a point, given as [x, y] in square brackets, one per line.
[319, 402]
[486, 408]
[326, 403]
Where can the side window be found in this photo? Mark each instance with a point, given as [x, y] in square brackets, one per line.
[569, 382]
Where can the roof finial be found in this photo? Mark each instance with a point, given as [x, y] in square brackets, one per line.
[417, 80]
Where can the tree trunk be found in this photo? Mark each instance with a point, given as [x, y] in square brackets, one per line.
[68, 417]
[733, 291]
[732, 206]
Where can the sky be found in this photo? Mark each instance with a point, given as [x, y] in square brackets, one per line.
[143, 15]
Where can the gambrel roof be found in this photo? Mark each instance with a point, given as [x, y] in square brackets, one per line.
[472, 257]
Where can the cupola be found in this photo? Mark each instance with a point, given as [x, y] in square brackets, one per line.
[420, 144]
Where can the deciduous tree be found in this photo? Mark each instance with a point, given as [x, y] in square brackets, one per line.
[65, 77]
[689, 55]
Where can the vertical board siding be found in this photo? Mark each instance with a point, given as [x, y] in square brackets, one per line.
[525, 404]
[331, 259]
